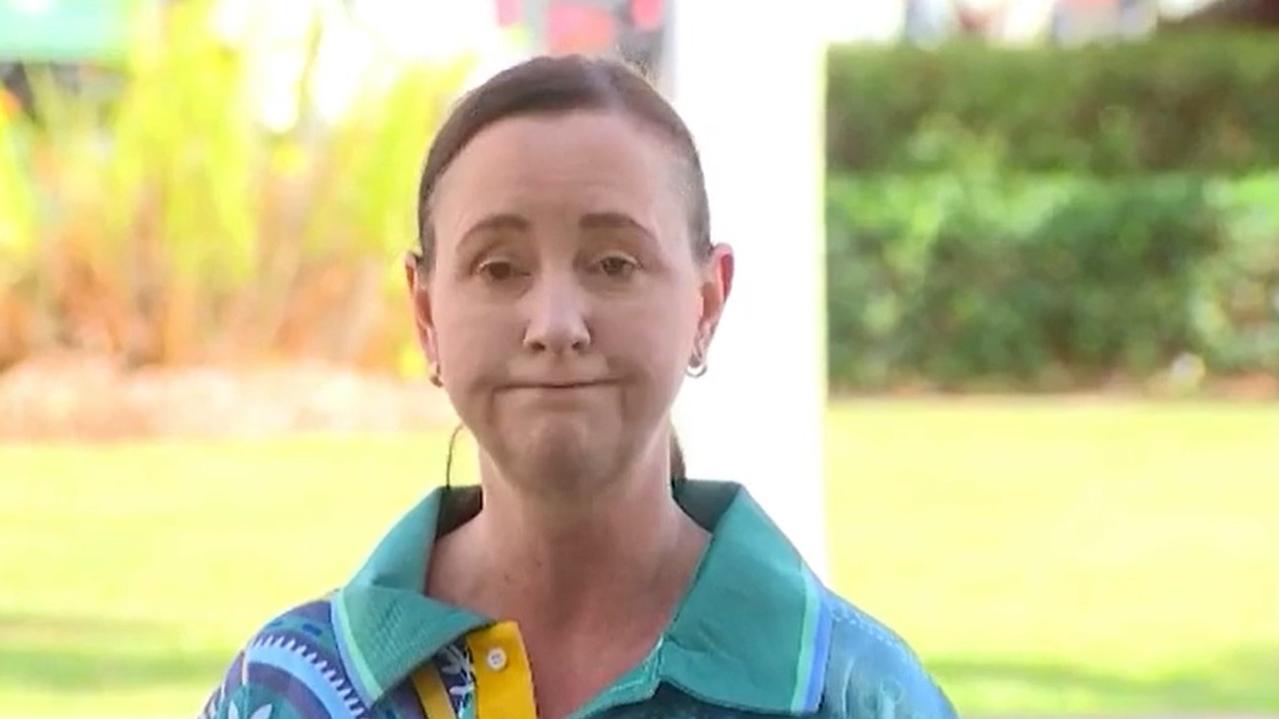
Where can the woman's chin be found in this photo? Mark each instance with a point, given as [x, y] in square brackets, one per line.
[565, 452]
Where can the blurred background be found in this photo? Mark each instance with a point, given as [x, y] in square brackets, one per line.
[1051, 312]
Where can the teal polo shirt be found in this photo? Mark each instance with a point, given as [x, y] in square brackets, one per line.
[756, 635]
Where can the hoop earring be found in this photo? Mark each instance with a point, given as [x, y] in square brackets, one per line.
[448, 458]
[435, 377]
[697, 367]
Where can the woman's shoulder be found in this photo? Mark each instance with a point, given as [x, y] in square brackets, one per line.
[872, 671]
[298, 649]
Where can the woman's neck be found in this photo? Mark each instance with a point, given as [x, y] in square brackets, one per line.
[626, 551]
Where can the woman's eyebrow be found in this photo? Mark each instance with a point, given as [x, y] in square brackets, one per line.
[497, 223]
[613, 221]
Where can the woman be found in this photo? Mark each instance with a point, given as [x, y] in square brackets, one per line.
[565, 285]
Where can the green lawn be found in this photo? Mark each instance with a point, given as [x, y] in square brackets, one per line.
[1042, 556]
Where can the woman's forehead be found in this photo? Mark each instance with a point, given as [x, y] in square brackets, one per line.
[578, 159]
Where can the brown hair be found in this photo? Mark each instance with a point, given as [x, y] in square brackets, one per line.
[552, 85]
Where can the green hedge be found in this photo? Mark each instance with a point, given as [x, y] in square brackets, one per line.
[1048, 281]
[1176, 103]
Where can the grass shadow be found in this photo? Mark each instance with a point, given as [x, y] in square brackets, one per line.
[57, 653]
[1245, 679]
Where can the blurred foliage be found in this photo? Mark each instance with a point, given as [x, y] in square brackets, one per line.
[1043, 217]
[165, 224]
[980, 277]
[1049, 218]
[1172, 103]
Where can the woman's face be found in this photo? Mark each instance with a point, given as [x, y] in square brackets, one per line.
[565, 302]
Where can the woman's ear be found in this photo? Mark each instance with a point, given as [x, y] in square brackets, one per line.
[415, 275]
[717, 283]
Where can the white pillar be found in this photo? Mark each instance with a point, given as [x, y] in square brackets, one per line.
[749, 79]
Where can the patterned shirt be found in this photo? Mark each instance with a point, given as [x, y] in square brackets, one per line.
[756, 635]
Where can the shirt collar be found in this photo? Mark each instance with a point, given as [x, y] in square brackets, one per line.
[750, 576]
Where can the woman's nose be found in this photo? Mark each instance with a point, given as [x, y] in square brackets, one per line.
[556, 317]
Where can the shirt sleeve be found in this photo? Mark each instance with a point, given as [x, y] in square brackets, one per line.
[873, 674]
[218, 704]
[236, 697]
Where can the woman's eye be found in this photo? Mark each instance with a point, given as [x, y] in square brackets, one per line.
[497, 270]
[617, 266]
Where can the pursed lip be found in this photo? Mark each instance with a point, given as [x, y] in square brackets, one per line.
[559, 384]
